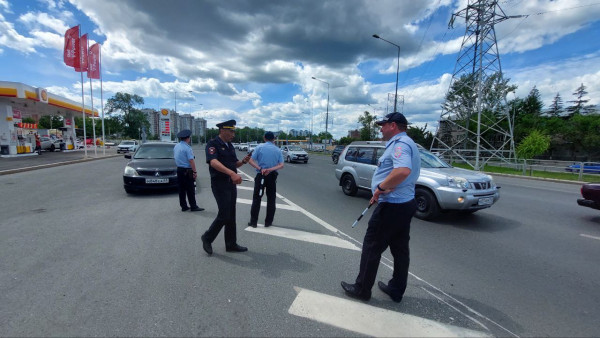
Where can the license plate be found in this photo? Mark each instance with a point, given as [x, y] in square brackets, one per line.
[486, 201]
[157, 180]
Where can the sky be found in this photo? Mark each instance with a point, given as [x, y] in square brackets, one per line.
[254, 60]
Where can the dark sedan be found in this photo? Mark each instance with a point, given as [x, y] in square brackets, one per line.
[151, 167]
[591, 195]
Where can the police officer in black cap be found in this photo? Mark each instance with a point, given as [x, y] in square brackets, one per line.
[186, 171]
[223, 164]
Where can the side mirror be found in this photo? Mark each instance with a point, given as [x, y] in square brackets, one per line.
[128, 156]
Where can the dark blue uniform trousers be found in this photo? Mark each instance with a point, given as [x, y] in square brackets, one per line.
[389, 226]
[270, 187]
[225, 194]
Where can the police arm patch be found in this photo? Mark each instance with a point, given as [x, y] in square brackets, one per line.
[212, 150]
[398, 151]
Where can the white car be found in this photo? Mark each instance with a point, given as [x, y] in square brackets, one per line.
[50, 144]
[251, 147]
[294, 153]
[128, 146]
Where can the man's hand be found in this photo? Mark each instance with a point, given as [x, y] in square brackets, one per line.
[378, 192]
[235, 178]
[265, 172]
[246, 158]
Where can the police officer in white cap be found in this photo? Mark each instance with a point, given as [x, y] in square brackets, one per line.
[186, 171]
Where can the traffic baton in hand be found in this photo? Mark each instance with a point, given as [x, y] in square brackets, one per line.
[361, 215]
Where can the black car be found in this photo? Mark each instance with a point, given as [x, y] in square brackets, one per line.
[335, 155]
[591, 196]
[152, 167]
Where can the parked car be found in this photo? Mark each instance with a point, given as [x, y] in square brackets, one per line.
[50, 144]
[127, 146]
[242, 146]
[440, 187]
[588, 167]
[294, 153]
[335, 154]
[151, 167]
[591, 195]
[251, 147]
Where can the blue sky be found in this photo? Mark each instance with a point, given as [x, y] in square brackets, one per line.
[254, 60]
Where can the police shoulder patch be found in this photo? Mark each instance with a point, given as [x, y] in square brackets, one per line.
[212, 150]
[398, 151]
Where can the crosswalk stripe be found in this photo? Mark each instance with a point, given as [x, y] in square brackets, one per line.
[304, 236]
[369, 320]
[264, 204]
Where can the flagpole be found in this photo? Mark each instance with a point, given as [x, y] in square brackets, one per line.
[101, 98]
[82, 99]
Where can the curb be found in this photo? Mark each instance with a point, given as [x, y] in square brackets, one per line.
[536, 178]
[56, 164]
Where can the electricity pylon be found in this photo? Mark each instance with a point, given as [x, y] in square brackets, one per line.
[475, 125]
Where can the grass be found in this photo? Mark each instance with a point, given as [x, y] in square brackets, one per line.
[534, 173]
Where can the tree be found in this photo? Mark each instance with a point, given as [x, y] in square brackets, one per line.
[133, 118]
[579, 104]
[420, 135]
[369, 128]
[324, 136]
[50, 122]
[346, 140]
[534, 144]
[556, 108]
[526, 114]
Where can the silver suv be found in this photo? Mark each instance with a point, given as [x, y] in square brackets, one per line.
[440, 187]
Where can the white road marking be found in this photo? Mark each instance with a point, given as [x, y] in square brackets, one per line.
[369, 320]
[264, 204]
[245, 188]
[589, 236]
[304, 236]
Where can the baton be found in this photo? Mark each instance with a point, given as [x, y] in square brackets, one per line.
[361, 215]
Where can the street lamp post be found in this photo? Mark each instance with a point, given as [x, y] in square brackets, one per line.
[327, 114]
[397, 70]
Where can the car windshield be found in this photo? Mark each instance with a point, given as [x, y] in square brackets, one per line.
[126, 143]
[429, 160]
[155, 151]
[295, 148]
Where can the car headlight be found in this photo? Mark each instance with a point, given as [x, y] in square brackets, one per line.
[129, 171]
[492, 183]
[459, 182]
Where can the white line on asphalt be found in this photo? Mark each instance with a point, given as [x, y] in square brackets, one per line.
[369, 320]
[304, 236]
[390, 265]
[264, 204]
[589, 236]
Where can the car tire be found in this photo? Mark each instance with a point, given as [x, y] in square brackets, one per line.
[348, 185]
[52, 147]
[427, 205]
[305, 161]
[335, 159]
[289, 159]
[129, 190]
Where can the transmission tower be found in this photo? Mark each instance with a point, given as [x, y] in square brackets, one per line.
[390, 103]
[475, 125]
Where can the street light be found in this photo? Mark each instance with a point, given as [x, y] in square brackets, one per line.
[397, 70]
[327, 114]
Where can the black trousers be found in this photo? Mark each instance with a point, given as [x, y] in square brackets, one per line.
[389, 226]
[225, 193]
[186, 187]
[270, 188]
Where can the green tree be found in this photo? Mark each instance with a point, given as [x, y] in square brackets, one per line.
[534, 144]
[50, 122]
[369, 128]
[579, 104]
[526, 114]
[346, 140]
[556, 108]
[420, 135]
[133, 118]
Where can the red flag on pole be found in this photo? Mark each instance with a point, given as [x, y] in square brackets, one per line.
[83, 54]
[93, 71]
[70, 52]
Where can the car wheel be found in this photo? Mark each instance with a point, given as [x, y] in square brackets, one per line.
[427, 205]
[335, 159]
[306, 161]
[348, 185]
[129, 190]
[52, 147]
[289, 159]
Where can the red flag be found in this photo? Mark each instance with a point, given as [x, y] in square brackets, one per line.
[70, 52]
[93, 71]
[82, 65]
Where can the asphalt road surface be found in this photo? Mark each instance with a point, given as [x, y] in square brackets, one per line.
[80, 257]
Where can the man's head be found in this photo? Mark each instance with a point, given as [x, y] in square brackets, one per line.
[184, 135]
[227, 130]
[392, 124]
[269, 136]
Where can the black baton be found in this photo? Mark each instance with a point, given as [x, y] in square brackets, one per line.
[361, 215]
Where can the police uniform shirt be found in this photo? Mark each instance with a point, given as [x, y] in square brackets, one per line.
[216, 149]
[267, 155]
[400, 152]
[183, 154]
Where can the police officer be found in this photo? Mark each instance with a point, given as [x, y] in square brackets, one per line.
[393, 188]
[267, 159]
[223, 164]
[186, 171]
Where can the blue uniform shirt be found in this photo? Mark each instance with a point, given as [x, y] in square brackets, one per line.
[267, 155]
[183, 154]
[400, 152]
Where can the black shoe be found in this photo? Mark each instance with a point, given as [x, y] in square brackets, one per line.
[236, 248]
[206, 245]
[388, 291]
[185, 208]
[352, 291]
[250, 224]
[197, 208]
[268, 225]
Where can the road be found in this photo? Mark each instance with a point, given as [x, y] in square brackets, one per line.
[81, 257]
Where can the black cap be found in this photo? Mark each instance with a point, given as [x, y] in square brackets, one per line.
[393, 117]
[227, 125]
[184, 133]
[269, 136]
